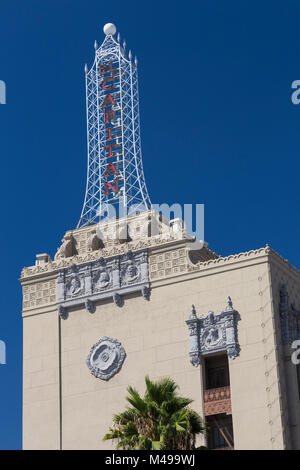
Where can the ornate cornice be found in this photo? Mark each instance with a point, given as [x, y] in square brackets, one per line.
[104, 278]
[244, 256]
[240, 257]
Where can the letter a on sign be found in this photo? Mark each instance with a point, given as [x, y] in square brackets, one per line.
[110, 169]
[108, 101]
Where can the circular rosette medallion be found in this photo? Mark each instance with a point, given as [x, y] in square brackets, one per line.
[105, 358]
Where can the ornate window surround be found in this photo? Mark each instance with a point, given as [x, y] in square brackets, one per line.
[213, 333]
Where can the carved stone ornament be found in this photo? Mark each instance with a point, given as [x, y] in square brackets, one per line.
[106, 358]
[90, 306]
[86, 283]
[62, 312]
[213, 333]
[289, 318]
[67, 248]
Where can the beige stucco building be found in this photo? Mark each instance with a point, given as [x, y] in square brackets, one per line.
[104, 313]
[139, 296]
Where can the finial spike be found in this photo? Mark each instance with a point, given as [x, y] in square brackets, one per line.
[124, 44]
[193, 314]
[85, 68]
[130, 55]
[229, 305]
[135, 61]
[118, 37]
[95, 45]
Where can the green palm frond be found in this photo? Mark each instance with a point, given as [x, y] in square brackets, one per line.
[160, 420]
[136, 400]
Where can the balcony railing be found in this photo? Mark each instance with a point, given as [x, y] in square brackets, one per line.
[217, 401]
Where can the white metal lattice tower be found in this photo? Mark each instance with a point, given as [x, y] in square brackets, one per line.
[115, 173]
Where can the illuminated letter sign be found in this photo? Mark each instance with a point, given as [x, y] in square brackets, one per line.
[115, 173]
[109, 83]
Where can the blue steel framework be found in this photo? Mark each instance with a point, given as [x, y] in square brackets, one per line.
[115, 170]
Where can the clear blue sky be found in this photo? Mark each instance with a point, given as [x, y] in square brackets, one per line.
[218, 127]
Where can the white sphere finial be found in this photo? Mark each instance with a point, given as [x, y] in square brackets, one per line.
[109, 29]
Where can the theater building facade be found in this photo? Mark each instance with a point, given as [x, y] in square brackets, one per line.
[107, 310]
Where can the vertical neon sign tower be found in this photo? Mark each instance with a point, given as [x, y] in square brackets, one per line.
[115, 173]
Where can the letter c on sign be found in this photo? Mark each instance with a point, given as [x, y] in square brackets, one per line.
[108, 88]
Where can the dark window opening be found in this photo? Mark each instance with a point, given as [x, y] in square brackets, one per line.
[220, 432]
[216, 372]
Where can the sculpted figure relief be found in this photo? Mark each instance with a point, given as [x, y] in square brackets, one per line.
[67, 249]
[131, 272]
[73, 286]
[104, 279]
[94, 243]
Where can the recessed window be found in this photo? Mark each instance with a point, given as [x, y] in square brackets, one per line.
[216, 372]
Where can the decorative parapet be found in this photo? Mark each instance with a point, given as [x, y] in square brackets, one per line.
[103, 278]
[219, 260]
[289, 318]
[217, 401]
[113, 250]
[213, 333]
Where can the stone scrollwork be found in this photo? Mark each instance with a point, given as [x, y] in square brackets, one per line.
[90, 306]
[106, 358]
[104, 278]
[118, 300]
[146, 292]
[213, 333]
[62, 312]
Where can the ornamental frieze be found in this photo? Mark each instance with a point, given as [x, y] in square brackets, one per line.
[103, 278]
[213, 333]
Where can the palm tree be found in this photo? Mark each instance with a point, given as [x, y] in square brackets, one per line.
[161, 420]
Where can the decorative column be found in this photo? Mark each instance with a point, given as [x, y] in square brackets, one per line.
[60, 286]
[192, 324]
